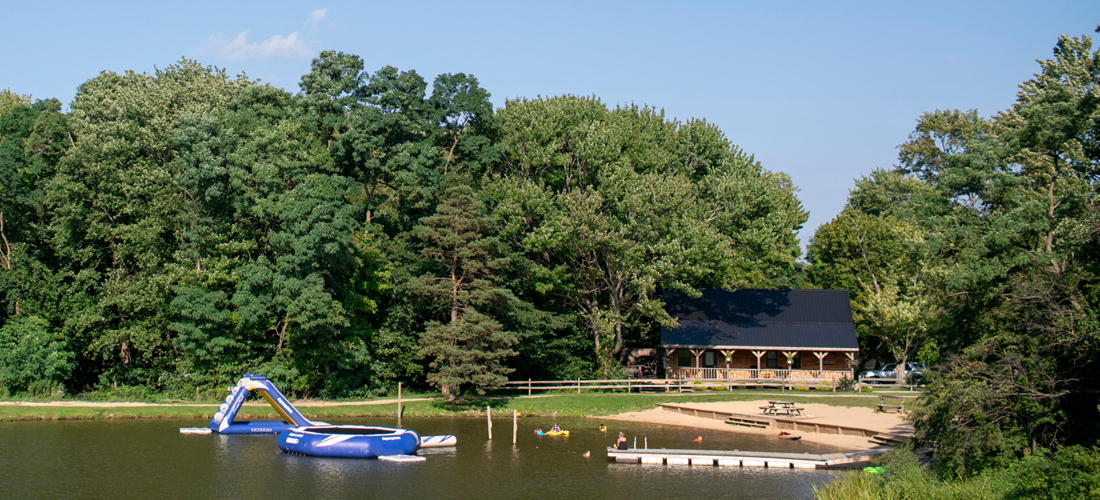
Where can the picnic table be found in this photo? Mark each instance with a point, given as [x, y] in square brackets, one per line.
[887, 403]
[782, 407]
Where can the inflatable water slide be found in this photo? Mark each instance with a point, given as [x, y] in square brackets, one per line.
[298, 434]
[224, 423]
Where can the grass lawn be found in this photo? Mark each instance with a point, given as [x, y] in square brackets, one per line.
[573, 405]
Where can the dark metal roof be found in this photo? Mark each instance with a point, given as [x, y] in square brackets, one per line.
[754, 318]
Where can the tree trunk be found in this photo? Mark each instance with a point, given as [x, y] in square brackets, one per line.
[282, 335]
[450, 390]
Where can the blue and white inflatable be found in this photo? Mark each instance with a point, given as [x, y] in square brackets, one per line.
[349, 441]
[297, 434]
[223, 422]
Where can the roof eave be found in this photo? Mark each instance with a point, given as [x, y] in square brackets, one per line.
[758, 347]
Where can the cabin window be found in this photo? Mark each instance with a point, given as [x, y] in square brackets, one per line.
[683, 357]
[773, 359]
[709, 359]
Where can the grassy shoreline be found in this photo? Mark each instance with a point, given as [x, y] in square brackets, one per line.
[571, 405]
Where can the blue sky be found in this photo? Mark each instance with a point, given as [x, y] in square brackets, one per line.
[823, 91]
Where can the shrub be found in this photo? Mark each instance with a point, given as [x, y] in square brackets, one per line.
[866, 389]
[846, 383]
[905, 478]
[1073, 473]
[45, 389]
[30, 353]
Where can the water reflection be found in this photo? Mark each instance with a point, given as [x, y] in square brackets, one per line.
[150, 459]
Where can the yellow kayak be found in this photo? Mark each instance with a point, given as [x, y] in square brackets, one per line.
[558, 433]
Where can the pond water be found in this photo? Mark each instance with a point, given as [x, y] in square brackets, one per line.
[124, 459]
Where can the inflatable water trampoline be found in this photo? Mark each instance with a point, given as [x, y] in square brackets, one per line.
[350, 441]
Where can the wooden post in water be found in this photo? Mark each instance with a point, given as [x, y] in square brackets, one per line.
[515, 427]
[489, 418]
[399, 405]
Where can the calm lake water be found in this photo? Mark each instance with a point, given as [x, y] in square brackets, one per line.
[144, 459]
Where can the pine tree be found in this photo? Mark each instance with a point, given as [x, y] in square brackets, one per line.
[471, 346]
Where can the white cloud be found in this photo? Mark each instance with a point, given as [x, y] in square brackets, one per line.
[276, 47]
[316, 16]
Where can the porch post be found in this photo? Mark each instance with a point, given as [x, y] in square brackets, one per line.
[790, 357]
[697, 353]
[758, 354]
[821, 360]
[667, 355]
[727, 355]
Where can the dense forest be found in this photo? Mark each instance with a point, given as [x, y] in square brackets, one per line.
[174, 230]
[171, 231]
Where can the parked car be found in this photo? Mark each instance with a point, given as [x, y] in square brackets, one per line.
[888, 373]
[643, 367]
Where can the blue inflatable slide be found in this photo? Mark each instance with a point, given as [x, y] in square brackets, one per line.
[224, 423]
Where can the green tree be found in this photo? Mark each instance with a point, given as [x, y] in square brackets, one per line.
[31, 353]
[280, 263]
[1010, 220]
[115, 210]
[470, 347]
[9, 99]
[614, 206]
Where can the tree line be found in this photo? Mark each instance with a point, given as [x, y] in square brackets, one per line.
[978, 254]
[171, 231]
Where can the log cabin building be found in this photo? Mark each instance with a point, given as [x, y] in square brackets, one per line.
[755, 333]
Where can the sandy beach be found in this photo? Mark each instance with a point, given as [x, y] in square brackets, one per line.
[866, 418]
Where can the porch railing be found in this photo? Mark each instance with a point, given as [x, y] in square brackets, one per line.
[749, 373]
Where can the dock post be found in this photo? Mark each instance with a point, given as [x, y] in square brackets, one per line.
[489, 419]
[399, 405]
[515, 427]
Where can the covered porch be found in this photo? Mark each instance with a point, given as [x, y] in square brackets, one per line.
[731, 363]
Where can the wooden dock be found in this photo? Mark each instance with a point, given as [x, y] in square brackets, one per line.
[736, 458]
[798, 424]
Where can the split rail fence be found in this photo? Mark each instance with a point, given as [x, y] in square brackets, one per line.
[666, 385]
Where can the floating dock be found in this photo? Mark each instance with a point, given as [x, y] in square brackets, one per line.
[401, 458]
[736, 458]
[195, 430]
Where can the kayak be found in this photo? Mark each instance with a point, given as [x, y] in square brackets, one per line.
[553, 433]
